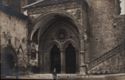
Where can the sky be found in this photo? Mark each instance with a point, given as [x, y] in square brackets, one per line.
[122, 7]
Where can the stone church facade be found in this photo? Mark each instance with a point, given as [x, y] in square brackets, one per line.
[75, 37]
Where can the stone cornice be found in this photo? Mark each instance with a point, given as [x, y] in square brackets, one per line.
[48, 3]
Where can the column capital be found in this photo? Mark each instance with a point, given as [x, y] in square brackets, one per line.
[61, 50]
[83, 36]
[82, 52]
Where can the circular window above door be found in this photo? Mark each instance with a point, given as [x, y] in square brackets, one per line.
[61, 34]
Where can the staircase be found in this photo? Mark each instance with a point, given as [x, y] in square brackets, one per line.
[117, 52]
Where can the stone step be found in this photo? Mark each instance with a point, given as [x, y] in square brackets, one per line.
[72, 77]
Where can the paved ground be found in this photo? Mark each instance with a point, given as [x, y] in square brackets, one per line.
[73, 77]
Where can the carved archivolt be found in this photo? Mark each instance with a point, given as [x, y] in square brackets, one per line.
[60, 34]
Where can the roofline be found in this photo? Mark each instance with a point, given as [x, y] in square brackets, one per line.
[40, 1]
[34, 3]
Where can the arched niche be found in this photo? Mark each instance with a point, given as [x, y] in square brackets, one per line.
[57, 30]
[70, 59]
[55, 60]
[9, 61]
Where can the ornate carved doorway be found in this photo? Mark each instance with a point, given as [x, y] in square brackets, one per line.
[70, 59]
[55, 60]
[54, 53]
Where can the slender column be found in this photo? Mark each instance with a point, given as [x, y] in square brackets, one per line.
[82, 57]
[62, 61]
[42, 61]
[82, 63]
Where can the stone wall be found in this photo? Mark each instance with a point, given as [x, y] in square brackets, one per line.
[119, 29]
[113, 60]
[102, 35]
[13, 40]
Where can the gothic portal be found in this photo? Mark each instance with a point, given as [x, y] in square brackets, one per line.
[58, 46]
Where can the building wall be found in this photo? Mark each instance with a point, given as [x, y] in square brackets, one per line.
[107, 31]
[13, 37]
[102, 34]
[101, 27]
[113, 60]
[101, 31]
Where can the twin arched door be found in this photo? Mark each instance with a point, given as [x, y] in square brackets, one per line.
[57, 46]
[69, 62]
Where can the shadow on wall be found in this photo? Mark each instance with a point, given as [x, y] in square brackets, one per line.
[8, 60]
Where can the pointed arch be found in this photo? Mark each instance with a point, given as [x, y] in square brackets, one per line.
[70, 59]
[55, 59]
